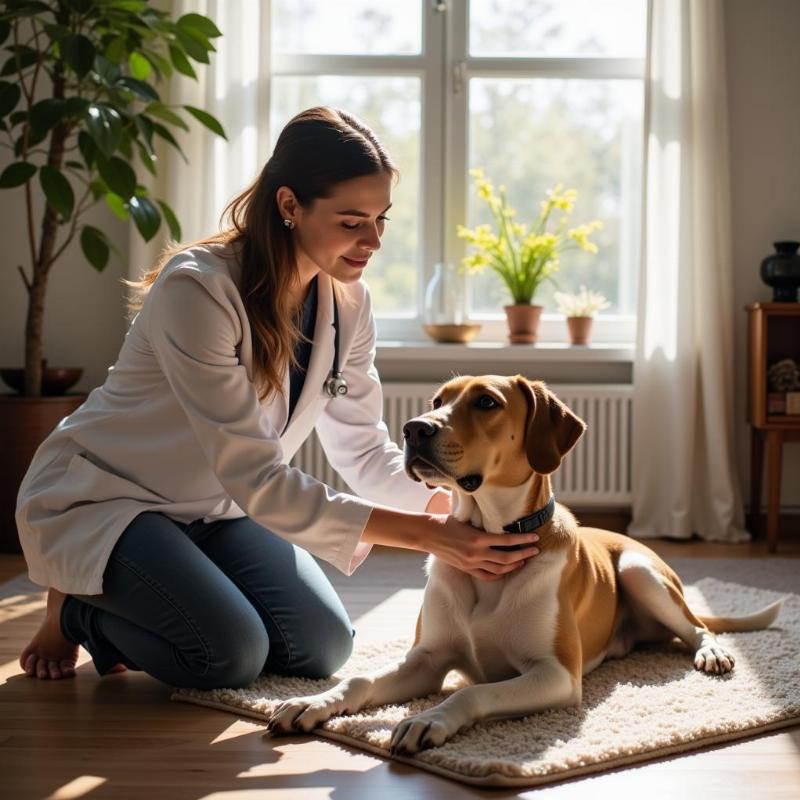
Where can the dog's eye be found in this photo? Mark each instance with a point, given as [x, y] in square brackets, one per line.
[436, 402]
[486, 401]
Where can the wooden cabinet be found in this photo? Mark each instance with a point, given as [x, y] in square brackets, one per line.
[773, 337]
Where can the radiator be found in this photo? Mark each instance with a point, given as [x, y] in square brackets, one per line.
[595, 474]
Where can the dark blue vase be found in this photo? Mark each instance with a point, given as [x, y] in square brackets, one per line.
[781, 271]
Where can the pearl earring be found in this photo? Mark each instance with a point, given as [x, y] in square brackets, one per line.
[289, 223]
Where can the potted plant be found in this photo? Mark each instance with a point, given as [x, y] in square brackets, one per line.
[579, 309]
[523, 256]
[77, 104]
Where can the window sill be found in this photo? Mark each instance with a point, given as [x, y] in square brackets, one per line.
[394, 351]
[554, 362]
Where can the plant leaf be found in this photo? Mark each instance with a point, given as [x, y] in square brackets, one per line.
[88, 148]
[210, 122]
[134, 6]
[17, 174]
[162, 112]
[145, 128]
[78, 52]
[117, 206]
[95, 247]
[145, 215]
[194, 49]
[139, 66]
[75, 106]
[148, 160]
[118, 175]
[9, 97]
[164, 133]
[22, 58]
[199, 23]
[58, 191]
[180, 62]
[105, 127]
[108, 72]
[115, 51]
[46, 114]
[26, 8]
[160, 64]
[172, 220]
[141, 89]
[35, 136]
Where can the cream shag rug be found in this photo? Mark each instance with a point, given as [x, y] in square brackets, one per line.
[650, 704]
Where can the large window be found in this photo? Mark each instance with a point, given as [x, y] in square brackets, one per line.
[534, 92]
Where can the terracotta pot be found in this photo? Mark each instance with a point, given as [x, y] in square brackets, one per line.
[523, 323]
[580, 329]
[25, 423]
[55, 380]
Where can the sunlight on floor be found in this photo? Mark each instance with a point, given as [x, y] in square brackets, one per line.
[19, 605]
[239, 728]
[403, 605]
[304, 793]
[77, 788]
[301, 764]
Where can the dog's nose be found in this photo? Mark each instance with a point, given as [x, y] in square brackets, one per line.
[417, 430]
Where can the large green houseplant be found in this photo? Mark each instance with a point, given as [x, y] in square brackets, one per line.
[78, 106]
[78, 110]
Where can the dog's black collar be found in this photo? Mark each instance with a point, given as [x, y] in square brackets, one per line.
[528, 524]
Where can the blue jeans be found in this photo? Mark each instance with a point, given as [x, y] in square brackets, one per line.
[210, 605]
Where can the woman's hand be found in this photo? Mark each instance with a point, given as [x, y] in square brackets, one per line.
[470, 549]
[457, 543]
[439, 503]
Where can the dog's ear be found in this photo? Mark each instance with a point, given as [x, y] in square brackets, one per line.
[551, 429]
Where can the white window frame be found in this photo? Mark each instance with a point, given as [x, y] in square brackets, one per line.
[444, 68]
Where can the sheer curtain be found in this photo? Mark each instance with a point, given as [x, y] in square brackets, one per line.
[235, 89]
[684, 478]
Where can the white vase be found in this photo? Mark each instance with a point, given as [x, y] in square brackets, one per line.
[446, 301]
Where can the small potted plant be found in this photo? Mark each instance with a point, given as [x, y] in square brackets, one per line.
[524, 256]
[579, 309]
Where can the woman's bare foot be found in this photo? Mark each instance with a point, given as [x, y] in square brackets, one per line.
[50, 654]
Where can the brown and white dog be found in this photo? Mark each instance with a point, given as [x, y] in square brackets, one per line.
[525, 641]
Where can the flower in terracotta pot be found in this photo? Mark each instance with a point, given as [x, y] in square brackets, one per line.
[579, 309]
[524, 256]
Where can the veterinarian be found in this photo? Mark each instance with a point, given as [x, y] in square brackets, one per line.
[163, 515]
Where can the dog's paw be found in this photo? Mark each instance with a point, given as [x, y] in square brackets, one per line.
[429, 729]
[301, 714]
[714, 658]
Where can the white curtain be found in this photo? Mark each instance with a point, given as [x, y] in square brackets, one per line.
[235, 89]
[684, 476]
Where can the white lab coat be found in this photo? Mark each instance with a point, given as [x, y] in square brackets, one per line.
[177, 428]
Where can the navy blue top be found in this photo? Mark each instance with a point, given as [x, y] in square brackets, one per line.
[302, 350]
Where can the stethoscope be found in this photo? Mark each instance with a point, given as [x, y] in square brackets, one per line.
[335, 385]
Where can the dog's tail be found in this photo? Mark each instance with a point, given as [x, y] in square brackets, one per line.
[752, 622]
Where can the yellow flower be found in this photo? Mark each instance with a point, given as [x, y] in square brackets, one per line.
[522, 256]
[581, 234]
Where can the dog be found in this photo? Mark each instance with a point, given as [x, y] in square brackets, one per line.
[523, 642]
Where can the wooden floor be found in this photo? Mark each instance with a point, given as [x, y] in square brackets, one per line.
[121, 737]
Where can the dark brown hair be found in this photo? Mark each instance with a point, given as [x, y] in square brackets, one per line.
[318, 148]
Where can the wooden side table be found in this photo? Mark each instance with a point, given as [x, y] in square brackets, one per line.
[773, 334]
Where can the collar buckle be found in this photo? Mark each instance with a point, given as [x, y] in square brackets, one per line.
[533, 521]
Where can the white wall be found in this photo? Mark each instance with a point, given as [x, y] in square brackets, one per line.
[764, 112]
[84, 316]
[84, 320]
